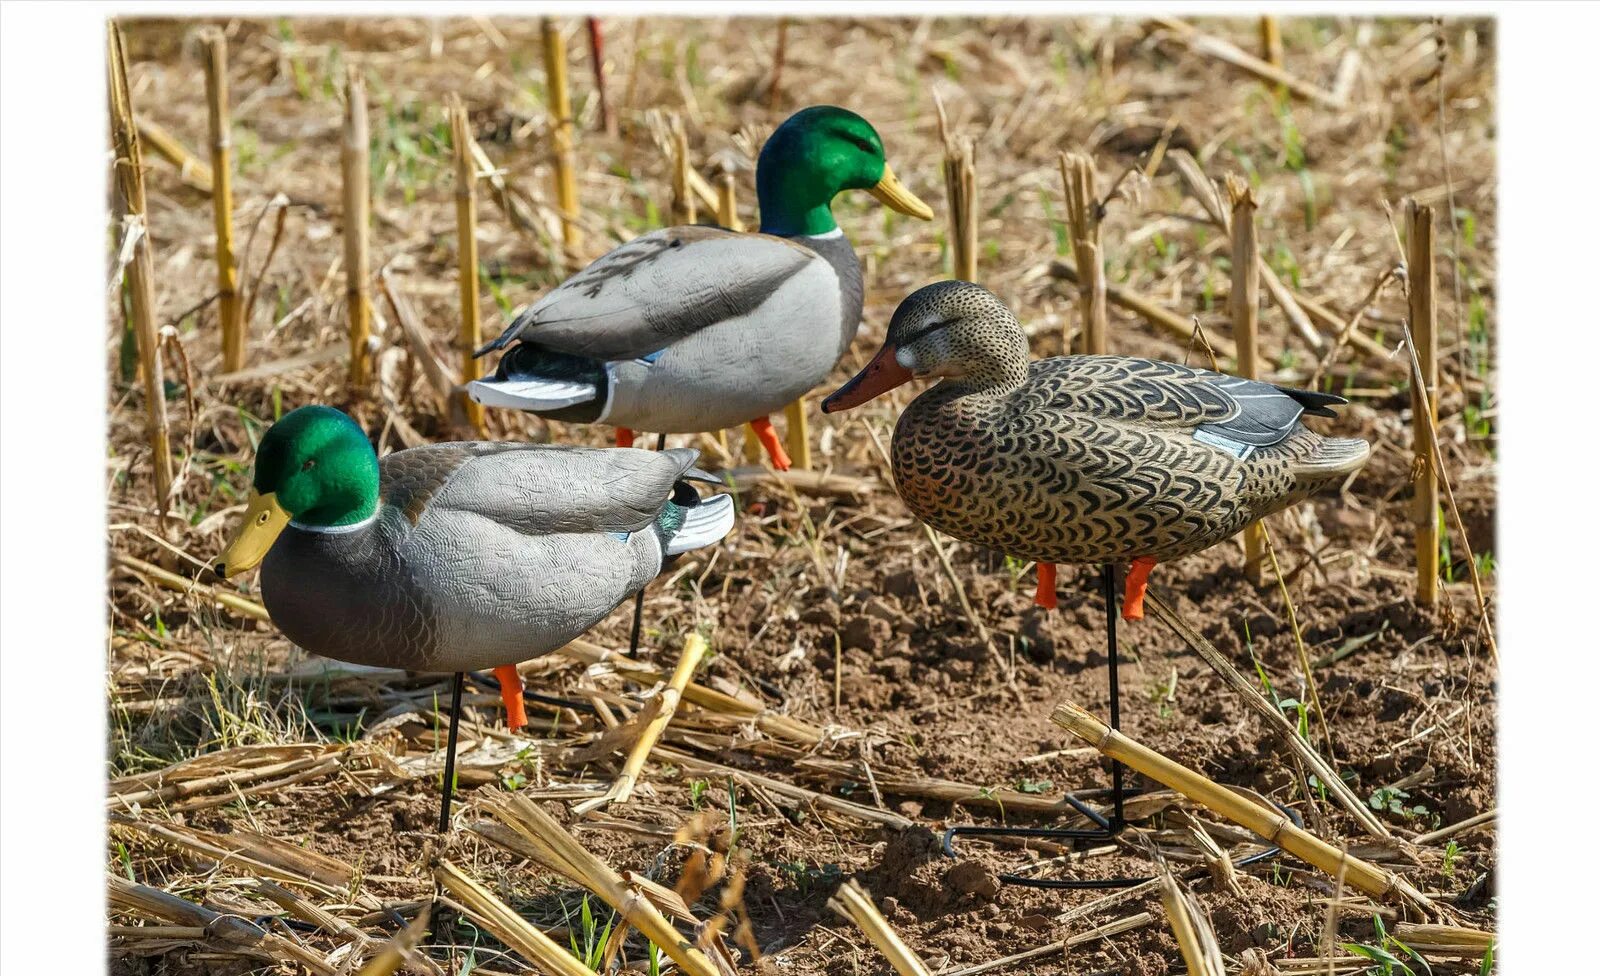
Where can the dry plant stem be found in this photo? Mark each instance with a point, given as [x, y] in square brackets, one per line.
[1435, 464]
[1196, 941]
[798, 435]
[727, 204]
[1224, 51]
[439, 377]
[229, 930]
[229, 310]
[506, 925]
[683, 206]
[1244, 305]
[597, 62]
[693, 650]
[582, 867]
[397, 951]
[1424, 340]
[1174, 325]
[1274, 718]
[961, 189]
[854, 903]
[191, 168]
[173, 581]
[1299, 642]
[1271, 42]
[773, 724]
[467, 258]
[799, 794]
[1083, 216]
[129, 166]
[561, 125]
[357, 210]
[1269, 824]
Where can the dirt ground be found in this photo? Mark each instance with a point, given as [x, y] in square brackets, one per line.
[826, 605]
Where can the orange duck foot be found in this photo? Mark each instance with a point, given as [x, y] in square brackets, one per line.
[511, 694]
[1045, 595]
[1134, 587]
[624, 436]
[769, 440]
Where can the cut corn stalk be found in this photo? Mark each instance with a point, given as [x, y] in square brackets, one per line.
[961, 189]
[1424, 403]
[397, 950]
[853, 902]
[1245, 306]
[357, 208]
[506, 925]
[666, 705]
[560, 104]
[229, 311]
[129, 167]
[572, 859]
[467, 257]
[1269, 824]
[1083, 215]
[191, 168]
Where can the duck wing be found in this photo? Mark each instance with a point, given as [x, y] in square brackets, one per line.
[653, 291]
[1230, 412]
[535, 489]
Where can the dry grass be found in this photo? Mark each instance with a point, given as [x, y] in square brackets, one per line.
[862, 681]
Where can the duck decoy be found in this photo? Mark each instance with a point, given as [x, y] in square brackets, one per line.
[700, 328]
[1086, 459]
[460, 556]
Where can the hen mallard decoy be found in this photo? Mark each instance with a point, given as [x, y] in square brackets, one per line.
[691, 329]
[1091, 459]
[1085, 459]
[459, 556]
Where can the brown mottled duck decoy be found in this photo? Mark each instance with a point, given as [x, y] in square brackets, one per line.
[1085, 459]
[458, 556]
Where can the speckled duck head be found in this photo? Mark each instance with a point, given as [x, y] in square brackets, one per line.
[314, 467]
[951, 329]
[815, 154]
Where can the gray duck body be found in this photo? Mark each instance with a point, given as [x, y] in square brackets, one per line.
[479, 554]
[686, 329]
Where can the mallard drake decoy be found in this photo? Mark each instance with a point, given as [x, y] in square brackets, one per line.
[691, 329]
[1085, 459]
[457, 556]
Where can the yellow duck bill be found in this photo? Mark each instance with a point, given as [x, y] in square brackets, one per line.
[894, 195]
[264, 519]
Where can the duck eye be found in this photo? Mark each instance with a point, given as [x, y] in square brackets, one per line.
[310, 463]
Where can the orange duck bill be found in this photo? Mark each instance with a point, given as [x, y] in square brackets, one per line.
[880, 376]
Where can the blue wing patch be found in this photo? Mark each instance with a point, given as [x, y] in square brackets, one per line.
[620, 536]
[652, 357]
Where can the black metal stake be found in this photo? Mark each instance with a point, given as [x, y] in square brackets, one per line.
[450, 753]
[1104, 828]
[638, 598]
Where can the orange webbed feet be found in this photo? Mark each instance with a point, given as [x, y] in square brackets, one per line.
[624, 436]
[769, 440]
[1045, 595]
[511, 694]
[1134, 587]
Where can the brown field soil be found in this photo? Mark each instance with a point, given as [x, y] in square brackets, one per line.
[831, 609]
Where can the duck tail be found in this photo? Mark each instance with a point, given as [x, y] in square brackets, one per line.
[694, 525]
[1331, 460]
[558, 385]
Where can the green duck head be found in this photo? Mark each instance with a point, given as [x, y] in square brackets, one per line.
[816, 153]
[951, 329]
[316, 467]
